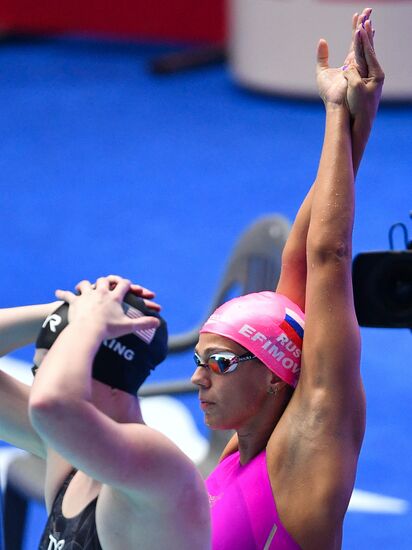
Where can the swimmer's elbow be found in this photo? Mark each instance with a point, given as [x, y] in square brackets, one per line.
[40, 403]
[321, 251]
[45, 410]
[330, 238]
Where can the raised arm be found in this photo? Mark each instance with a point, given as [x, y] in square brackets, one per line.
[332, 351]
[326, 414]
[316, 444]
[78, 421]
[362, 100]
[292, 281]
[331, 333]
[19, 326]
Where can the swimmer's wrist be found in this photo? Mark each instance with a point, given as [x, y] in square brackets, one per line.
[92, 331]
[338, 115]
[362, 122]
[332, 107]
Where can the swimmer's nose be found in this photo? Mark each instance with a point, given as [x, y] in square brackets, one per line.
[201, 377]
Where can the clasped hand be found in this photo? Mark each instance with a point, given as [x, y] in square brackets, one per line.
[99, 306]
[358, 83]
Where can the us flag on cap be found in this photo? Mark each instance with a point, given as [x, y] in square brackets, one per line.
[146, 335]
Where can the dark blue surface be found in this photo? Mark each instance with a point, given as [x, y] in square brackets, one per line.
[105, 168]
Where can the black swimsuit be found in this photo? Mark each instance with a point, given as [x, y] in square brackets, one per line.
[77, 533]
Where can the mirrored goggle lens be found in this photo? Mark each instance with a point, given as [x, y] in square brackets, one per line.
[222, 363]
[218, 362]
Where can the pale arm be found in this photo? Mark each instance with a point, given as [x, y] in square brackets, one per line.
[19, 326]
[127, 456]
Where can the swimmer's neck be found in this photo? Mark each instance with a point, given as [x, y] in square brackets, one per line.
[254, 435]
[254, 438]
[250, 446]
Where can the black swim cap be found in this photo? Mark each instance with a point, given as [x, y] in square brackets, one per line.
[124, 362]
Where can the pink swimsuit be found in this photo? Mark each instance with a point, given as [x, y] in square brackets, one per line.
[244, 515]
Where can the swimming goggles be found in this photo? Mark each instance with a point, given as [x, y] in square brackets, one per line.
[223, 362]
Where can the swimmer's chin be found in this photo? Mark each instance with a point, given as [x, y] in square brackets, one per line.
[214, 424]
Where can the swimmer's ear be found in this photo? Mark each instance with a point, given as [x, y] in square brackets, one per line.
[279, 386]
[274, 379]
[275, 384]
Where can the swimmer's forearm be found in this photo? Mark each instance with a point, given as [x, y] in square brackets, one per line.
[19, 326]
[292, 280]
[296, 243]
[360, 131]
[65, 373]
[331, 357]
[333, 200]
[294, 253]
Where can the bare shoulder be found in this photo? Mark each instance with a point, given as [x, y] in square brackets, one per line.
[314, 449]
[174, 514]
[153, 464]
[313, 452]
[15, 425]
[312, 458]
[310, 440]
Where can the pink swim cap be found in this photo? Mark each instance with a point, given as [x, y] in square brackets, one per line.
[267, 324]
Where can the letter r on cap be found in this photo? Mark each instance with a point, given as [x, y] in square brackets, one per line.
[54, 321]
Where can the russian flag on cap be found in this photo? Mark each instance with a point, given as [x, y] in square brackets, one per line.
[293, 326]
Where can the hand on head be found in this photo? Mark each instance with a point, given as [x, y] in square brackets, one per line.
[100, 304]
